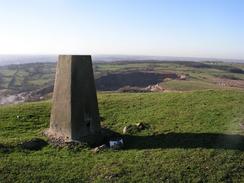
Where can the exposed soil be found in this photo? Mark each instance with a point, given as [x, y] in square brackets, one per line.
[116, 81]
[229, 82]
[35, 95]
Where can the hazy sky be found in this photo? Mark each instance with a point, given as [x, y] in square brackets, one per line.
[198, 28]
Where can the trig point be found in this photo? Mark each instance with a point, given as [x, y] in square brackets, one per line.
[75, 112]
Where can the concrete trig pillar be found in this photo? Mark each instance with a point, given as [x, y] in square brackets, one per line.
[74, 112]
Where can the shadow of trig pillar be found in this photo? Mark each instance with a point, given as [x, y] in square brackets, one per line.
[75, 108]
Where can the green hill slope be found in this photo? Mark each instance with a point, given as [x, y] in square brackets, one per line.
[192, 136]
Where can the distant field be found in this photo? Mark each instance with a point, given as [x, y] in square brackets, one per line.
[26, 77]
[199, 75]
[192, 137]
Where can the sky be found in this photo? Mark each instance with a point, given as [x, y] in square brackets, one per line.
[182, 28]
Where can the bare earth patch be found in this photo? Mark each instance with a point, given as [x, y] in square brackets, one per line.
[229, 82]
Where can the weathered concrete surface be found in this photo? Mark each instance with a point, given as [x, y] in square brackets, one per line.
[75, 112]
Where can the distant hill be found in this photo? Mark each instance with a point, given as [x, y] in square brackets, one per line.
[34, 81]
[22, 59]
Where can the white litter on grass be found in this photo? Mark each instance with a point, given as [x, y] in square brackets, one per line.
[116, 144]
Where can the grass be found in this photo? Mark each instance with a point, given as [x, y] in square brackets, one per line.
[189, 85]
[193, 137]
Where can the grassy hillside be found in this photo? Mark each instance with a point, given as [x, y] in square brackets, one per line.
[26, 77]
[192, 137]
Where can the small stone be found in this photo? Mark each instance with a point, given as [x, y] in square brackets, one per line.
[99, 148]
[125, 130]
[140, 126]
[241, 126]
[130, 129]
